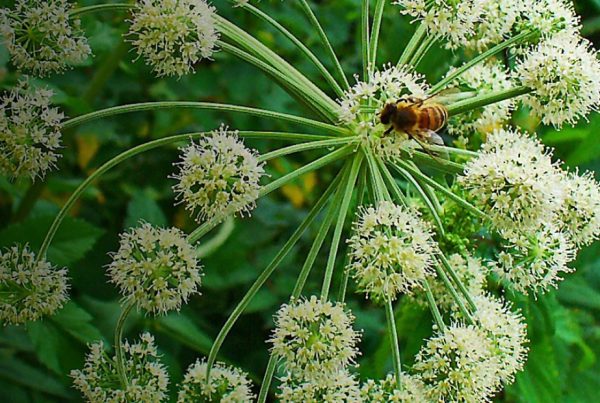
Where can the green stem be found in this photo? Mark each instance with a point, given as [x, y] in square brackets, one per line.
[264, 276]
[391, 181]
[305, 147]
[266, 383]
[423, 49]
[149, 106]
[412, 45]
[28, 201]
[393, 334]
[339, 226]
[210, 246]
[486, 99]
[321, 162]
[315, 23]
[127, 307]
[377, 18]
[483, 56]
[310, 55]
[458, 282]
[380, 190]
[454, 294]
[364, 39]
[77, 12]
[433, 306]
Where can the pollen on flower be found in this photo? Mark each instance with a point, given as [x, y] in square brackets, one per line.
[564, 74]
[385, 390]
[514, 181]
[314, 338]
[507, 332]
[31, 288]
[391, 252]
[147, 378]
[173, 35]
[579, 214]
[535, 261]
[360, 106]
[484, 78]
[29, 132]
[458, 366]
[156, 267]
[339, 387]
[226, 384]
[218, 176]
[41, 37]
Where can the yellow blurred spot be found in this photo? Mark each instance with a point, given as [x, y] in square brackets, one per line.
[87, 147]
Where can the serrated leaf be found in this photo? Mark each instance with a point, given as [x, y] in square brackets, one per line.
[143, 208]
[45, 339]
[76, 321]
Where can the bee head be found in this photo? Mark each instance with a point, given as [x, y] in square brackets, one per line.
[387, 112]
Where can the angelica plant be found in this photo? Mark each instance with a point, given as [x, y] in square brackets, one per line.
[405, 234]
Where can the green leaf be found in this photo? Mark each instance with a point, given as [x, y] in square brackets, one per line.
[183, 329]
[76, 321]
[46, 340]
[540, 381]
[577, 292]
[142, 207]
[73, 240]
[21, 373]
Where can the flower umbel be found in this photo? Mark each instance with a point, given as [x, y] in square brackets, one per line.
[41, 37]
[174, 35]
[227, 384]
[339, 387]
[579, 214]
[29, 132]
[156, 267]
[30, 287]
[99, 381]
[386, 390]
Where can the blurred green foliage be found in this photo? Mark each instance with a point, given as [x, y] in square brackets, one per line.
[564, 326]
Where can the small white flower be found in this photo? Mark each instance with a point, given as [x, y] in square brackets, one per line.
[218, 176]
[147, 378]
[360, 107]
[339, 387]
[156, 267]
[392, 251]
[579, 214]
[535, 261]
[41, 37]
[458, 366]
[497, 23]
[507, 332]
[29, 132]
[174, 35]
[385, 390]
[564, 74]
[227, 384]
[484, 78]
[548, 17]
[31, 288]
[514, 181]
[314, 338]
[453, 19]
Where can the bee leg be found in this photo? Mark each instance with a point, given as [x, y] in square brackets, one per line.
[388, 131]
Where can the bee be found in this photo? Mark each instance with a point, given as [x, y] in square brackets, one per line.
[419, 118]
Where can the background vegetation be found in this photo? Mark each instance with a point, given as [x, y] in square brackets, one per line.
[564, 326]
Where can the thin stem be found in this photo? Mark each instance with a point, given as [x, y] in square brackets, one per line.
[483, 56]
[414, 42]
[377, 18]
[268, 377]
[315, 23]
[433, 306]
[458, 282]
[321, 162]
[454, 294]
[391, 181]
[149, 106]
[77, 12]
[264, 276]
[127, 307]
[339, 227]
[381, 192]
[305, 147]
[420, 53]
[365, 40]
[393, 333]
[486, 99]
[305, 50]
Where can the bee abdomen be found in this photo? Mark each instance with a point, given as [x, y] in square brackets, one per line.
[433, 117]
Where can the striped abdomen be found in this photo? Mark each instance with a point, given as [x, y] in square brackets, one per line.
[431, 117]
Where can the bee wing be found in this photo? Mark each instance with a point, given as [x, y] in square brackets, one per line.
[433, 138]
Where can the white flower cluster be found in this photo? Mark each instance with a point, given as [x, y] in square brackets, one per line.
[385, 390]
[360, 106]
[156, 267]
[218, 176]
[41, 37]
[580, 208]
[458, 365]
[497, 22]
[338, 387]
[547, 17]
[455, 20]
[564, 74]
[391, 252]
[484, 78]
[174, 35]
[29, 132]
[31, 288]
[226, 384]
[147, 378]
[315, 339]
